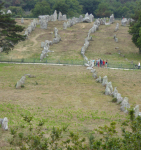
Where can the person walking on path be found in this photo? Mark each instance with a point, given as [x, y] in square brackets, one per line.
[139, 65]
[106, 63]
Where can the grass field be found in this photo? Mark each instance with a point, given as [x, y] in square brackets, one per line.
[68, 95]
[64, 95]
[103, 45]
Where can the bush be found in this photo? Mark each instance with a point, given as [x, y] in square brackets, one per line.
[60, 139]
[114, 100]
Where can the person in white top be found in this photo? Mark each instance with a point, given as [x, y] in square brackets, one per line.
[139, 65]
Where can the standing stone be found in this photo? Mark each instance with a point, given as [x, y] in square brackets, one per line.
[111, 20]
[124, 22]
[1, 49]
[42, 44]
[105, 81]
[119, 98]
[60, 16]
[93, 70]
[18, 85]
[22, 20]
[95, 75]
[1, 120]
[9, 12]
[43, 24]
[99, 79]
[115, 92]
[109, 89]
[5, 124]
[125, 105]
[65, 25]
[136, 109]
[80, 18]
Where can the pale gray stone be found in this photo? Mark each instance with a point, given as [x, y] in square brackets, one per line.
[80, 18]
[136, 109]
[95, 75]
[115, 92]
[124, 22]
[5, 124]
[22, 20]
[89, 68]
[18, 85]
[93, 71]
[87, 65]
[105, 81]
[1, 120]
[43, 24]
[9, 12]
[65, 25]
[99, 79]
[109, 89]
[42, 44]
[111, 20]
[125, 105]
[87, 20]
[1, 49]
[119, 98]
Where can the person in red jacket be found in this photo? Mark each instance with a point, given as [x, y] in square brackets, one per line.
[103, 63]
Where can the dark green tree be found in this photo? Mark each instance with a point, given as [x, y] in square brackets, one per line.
[89, 5]
[9, 32]
[41, 8]
[61, 6]
[103, 10]
[16, 11]
[135, 31]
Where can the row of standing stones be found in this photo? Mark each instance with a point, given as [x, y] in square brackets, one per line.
[88, 18]
[108, 85]
[119, 99]
[47, 44]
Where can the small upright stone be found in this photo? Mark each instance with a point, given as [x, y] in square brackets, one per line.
[5, 124]
[125, 105]
[105, 81]
[136, 111]
[9, 12]
[22, 20]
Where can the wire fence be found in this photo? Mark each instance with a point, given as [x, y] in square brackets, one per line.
[66, 62]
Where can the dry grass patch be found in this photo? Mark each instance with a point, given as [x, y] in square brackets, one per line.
[104, 44]
[73, 38]
[61, 95]
[127, 83]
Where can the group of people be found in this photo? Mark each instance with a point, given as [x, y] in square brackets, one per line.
[100, 63]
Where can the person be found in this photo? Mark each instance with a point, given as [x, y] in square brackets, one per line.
[98, 63]
[106, 63]
[94, 62]
[139, 65]
[103, 63]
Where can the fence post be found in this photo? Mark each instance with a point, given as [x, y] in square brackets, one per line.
[11, 59]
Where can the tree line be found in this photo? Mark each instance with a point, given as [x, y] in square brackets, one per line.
[99, 8]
